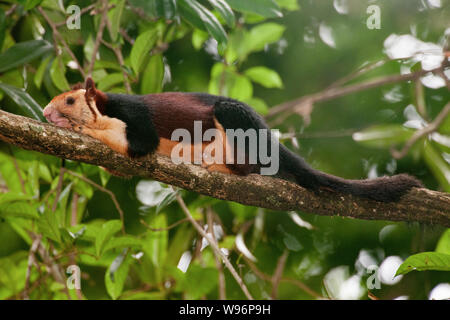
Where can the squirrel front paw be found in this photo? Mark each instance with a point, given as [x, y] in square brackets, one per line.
[77, 127]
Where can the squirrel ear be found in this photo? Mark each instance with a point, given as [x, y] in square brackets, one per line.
[91, 92]
[77, 86]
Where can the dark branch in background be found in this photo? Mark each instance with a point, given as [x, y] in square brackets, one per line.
[304, 105]
[432, 127]
[421, 205]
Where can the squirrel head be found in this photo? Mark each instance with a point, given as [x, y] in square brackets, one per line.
[76, 107]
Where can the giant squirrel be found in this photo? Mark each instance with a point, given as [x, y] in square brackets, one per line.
[136, 126]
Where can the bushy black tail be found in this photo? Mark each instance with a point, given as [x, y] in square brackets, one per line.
[384, 189]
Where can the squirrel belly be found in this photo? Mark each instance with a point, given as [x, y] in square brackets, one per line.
[140, 125]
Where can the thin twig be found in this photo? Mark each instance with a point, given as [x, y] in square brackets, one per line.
[73, 216]
[31, 262]
[222, 284]
[433, 126]
[358, 72]
[277, 275]
[82, 11]
[215, 247]
[53, 268]
[126, 36]
[295, 282]
[11, 10]
[99, 187]
[73, 222]
[118, 52]
[173, 225]
[58, 188]
[61, 39]
[99, 36]
[306, 102]
[34, 285]
[420, 98]
[140, 13]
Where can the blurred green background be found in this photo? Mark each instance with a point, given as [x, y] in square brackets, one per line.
[267, 53]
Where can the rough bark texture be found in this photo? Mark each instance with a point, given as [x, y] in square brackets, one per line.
[421, 205]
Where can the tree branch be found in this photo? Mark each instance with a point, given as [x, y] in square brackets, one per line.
[432, 127]
[304, 105]
[421, 205]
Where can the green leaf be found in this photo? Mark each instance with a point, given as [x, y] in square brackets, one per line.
[2, 27]
[166, 8]
[258, 104]
[156, 8]
[49, 226]
[288, 4]
[168, 199]
[179, 243]
[437, 165]
[38, 77]
[13, 196]
[23, 100]
[265, 77]
[244, 42]
[10, 174]
[58, 74]
[143, 295]
[441, 141]
[443, 245]
[63, 199]
[154, 246]
[115, 18]
[141, 49]
[224, 10]
[265, 8]
[117, 273]
[199, 281]
[123, 242]
[102, 64]
[383, 136]
[242, 88]
[198, 38]
[155, 242]
[202, 18]
[152, 81]
[110, 81]
[263, 34]
[21, 209]
[30, 4]
[23, 52]
[147, 6]
[32, 186]
[444, 128]
[425, 261]
[105, 234]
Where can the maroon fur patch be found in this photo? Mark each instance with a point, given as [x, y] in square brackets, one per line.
[176, 110]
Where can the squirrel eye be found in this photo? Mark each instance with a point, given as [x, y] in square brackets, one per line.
[70, 100]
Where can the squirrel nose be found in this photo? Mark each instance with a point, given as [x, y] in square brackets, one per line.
[47, 111]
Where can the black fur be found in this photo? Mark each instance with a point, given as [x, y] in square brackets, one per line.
[233, 114]
[141, 133]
